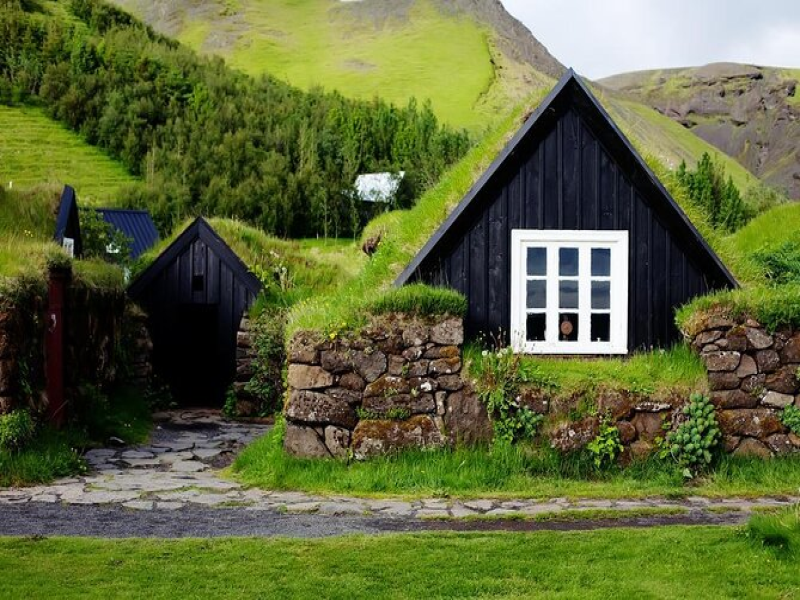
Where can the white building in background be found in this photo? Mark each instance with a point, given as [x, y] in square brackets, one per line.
[379, 188]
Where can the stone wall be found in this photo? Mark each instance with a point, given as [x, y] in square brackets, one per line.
[753, 376]
[246, 404]
[395, 385]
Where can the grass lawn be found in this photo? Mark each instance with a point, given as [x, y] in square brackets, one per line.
[669, 562]
[35, 149]
[503, 472]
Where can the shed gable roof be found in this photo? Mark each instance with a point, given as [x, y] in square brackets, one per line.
[202, 230]
[136, 225]
[67, 219]
[572, 92]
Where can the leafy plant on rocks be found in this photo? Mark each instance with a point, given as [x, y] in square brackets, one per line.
[498, 385]
[16, 430]
[606, 446]
[266, 384]
[693, 443]
[791, 418]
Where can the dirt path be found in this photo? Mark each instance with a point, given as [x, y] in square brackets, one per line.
[171, 487]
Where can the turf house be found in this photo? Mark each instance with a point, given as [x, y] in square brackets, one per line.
[568, 242]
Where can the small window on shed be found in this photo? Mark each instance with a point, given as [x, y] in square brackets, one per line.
[198, 283]
[569, 292]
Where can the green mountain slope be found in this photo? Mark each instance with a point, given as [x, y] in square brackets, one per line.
[470, 59]
[750, 113]
[35, 149]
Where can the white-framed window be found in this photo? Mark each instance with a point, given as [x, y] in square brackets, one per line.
[569, 291]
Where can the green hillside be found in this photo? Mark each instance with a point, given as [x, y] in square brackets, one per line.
[35, 149]
[363, 49]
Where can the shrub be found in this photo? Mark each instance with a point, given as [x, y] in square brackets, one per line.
[266, 384]
[16, 430]
[606, 446]
[420, 300]
[791, 418]
[498, 385]
[693, 443]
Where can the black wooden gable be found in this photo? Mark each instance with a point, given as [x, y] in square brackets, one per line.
[68, 220]
[195, 294]
[570, 168]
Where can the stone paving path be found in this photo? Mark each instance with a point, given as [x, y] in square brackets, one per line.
[178, 469]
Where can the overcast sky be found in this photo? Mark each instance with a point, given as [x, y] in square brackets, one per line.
[603, 37]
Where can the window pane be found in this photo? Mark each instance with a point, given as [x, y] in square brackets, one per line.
[601, 328]
[537, 261]
[568, 294]
[536, 326]
[537, 293]
[601, 295]
[601, 262]
[568, 327]
[568, 262]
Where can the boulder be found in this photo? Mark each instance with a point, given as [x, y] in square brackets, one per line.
[466, 420]
[302, 349]
[246, 407]
[421, 404]
[345, 395]
[733, 399]
[374, 438]
[752, 448]
[754, 384]
[445, 366]
[6, 404]
[308, 377]
[337, 361]
[397, 365]
[784, 380]
[757, 339]
[415, 334]
[730, 442]
[722, 360]
[767, 361]
[451, 383]
[449, 332]
[781, 444]
[8, 373]
[707, 337]
[353, 382]
[723, 380]
[414, 353]
[777, 400]
[648, 425]
[370, 365]
[736, 340]
[717, 322]
[387, 385]
[443, 352]
[615, 404]
[791, 350]
[418, 368]
[574, 436]
[747, 367]
[337, 440]
[423, 385]
[757, 422]
[313, 407]
[534, 399]
[304, 442]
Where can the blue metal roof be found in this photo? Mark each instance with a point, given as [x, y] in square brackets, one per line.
[136, 224]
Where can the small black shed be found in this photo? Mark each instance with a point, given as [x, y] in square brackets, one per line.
[68, 225]
[195, 294]
[569, 243]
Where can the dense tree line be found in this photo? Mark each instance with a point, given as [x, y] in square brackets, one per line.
[207, 139]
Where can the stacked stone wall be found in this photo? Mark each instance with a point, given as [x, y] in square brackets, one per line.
[753, 376]
[395, 385]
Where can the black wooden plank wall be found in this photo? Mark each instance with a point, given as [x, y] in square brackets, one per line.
[567, 180]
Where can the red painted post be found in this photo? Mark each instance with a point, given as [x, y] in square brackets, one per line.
[54, 347]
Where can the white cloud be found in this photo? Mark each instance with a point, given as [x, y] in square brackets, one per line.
[603, 38]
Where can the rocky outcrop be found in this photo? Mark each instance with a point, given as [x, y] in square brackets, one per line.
[396, 384]
[750, 113]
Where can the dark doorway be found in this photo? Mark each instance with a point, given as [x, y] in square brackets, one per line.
[198, 373]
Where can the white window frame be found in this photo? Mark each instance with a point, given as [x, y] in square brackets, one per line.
[584, 240]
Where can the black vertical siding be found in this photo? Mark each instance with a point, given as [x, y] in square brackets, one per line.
[567, 179]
